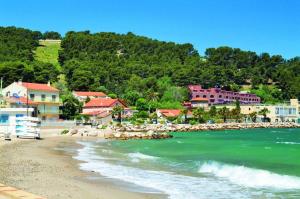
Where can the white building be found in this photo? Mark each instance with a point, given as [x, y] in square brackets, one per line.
[14, 121]
[42, 96]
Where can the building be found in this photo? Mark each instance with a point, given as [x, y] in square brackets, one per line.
[8, 117]
[82, 96]
[288, 112]
[102, 104]
[100, 117]
[172, 113]
[43, 97]
[199, 102]
[219, 96]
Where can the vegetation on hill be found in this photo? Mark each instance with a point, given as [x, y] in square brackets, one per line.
[135, 67]
[47, 52]
[17, 46]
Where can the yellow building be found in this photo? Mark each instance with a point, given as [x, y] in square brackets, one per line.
[43, 97]
[288, 112]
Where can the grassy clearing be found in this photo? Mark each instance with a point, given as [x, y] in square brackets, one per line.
[48, 52]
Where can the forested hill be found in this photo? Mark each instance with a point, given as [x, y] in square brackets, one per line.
[119, 61]
[17, 44]
[109, 59]
[135, 67]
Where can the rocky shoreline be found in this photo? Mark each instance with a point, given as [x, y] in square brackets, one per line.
[160, 131]
[201, 127]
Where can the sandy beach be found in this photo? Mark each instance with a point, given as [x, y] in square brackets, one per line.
[39, 167]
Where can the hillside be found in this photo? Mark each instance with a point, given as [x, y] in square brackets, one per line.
[134, 67]
[47, 52]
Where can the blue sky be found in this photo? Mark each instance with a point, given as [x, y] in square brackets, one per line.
[258, 25]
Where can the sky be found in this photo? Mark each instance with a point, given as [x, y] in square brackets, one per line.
[271, 26]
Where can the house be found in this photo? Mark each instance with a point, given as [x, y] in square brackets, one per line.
[100, 117]
[82, 96]
[199, 102]
[102, 104]
[43, 97]
[172, 113]
[219, 96]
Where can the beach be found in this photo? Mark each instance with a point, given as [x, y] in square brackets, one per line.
[40, 167]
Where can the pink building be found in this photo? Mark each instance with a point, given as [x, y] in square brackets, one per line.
[219, 96]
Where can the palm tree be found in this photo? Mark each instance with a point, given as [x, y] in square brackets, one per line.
[224, 113]
[264, 113]
[199, 114]
[253, 116]
[118, 110]
[185, 112]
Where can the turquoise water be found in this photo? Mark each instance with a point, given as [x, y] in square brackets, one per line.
[257, 163]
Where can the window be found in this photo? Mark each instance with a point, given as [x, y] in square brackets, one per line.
[204, 96]
[212, 96]
[31, 96]
[197, 95]
[220, 96]
[4, 119]
[53, 98]
[43, 97]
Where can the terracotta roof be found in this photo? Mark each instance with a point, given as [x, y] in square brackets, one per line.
[171, 112]
[98, 113]
[102, 102]
[194, 87]
[88, 93]
[38, 87]
[199, 99]
[21, 100]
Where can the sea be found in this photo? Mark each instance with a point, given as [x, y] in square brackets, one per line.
[252, 163]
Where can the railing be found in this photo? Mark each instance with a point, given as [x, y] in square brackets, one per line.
[65, 123]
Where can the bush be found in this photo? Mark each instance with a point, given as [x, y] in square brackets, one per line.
[193, 122]
[64, 132]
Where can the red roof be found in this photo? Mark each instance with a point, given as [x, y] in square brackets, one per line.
[98, 113]
[199, 99]
[102, 102]
[171, 112]
[195, 87]
[88, 93]
[21, 100]
[38, 87]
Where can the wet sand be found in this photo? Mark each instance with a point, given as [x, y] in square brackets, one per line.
[39, 167]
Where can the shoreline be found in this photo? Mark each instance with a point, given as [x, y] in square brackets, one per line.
[43, 168]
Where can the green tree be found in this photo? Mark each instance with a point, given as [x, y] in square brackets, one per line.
[71, 107]
[142, 105]
[224, 113]
[253, 116]
[199, 114]
[212, 111]
[184, 112]
[118, 110]
[264, 113]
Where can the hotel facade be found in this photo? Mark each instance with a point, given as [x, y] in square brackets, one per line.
[219, 96]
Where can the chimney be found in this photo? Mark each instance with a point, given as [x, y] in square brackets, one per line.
[48, 83]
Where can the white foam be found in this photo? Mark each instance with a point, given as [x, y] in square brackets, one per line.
[249, 177]
[287, 143]
[141, 156]
[174, 185]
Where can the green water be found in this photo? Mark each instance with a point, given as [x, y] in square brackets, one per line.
[276, 150]
[256, 163]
